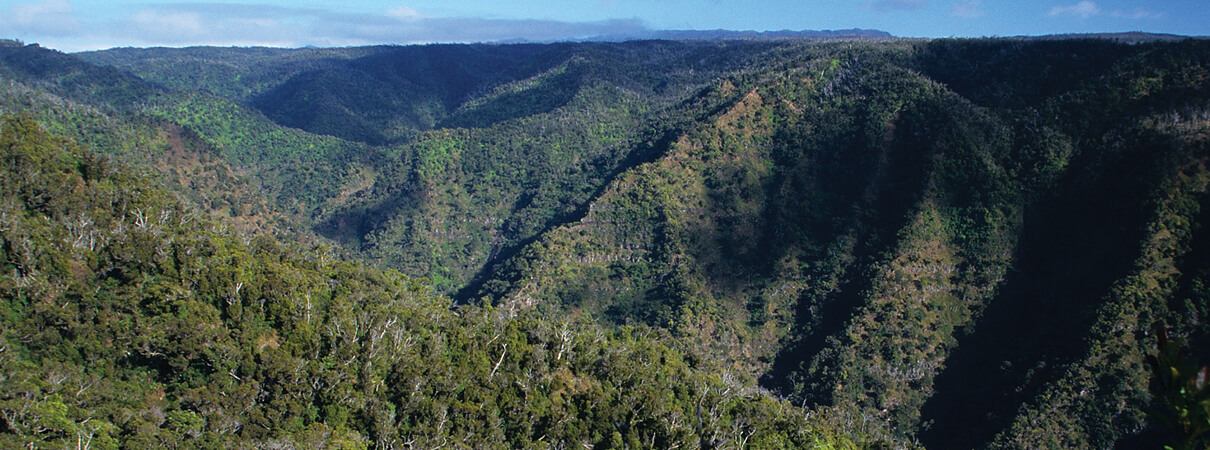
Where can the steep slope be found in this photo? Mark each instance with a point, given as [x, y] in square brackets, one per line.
[128, 320]
[768, 210]
[384, 96]
[239, 74]
[367, 94]
[968, 242]
[1103, 256]
[228, 156]
[70, 77]
[852, 226]
[456, 200]
[553, 122]
[191, 166]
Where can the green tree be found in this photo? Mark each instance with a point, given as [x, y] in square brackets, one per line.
[1183, 388]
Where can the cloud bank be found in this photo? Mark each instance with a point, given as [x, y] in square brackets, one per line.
[51, 18]
[1083, 10]
[55, 24]
[896, 5]
[968, 9]
[1088, 9]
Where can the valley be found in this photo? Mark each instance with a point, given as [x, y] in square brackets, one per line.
[772, 242]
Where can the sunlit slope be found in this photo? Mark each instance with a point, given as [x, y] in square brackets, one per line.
[129, 319]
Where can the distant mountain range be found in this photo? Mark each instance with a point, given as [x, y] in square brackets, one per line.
[701, 35]
[711, 35]
[1132, 37]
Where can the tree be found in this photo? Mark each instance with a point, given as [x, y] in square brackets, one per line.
[1184, 389]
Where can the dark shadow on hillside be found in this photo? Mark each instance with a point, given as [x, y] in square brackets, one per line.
[375, 98]
[1195, 285]
[497, 276]
[340, 102]
[875, 209]
[1075, 244]
[73, 78]
[351, 226]
[494, 268]
[1005, 73]
[545, 95]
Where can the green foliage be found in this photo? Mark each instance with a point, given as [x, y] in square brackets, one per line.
[866, 226]
[127, 322]
[1182, 388]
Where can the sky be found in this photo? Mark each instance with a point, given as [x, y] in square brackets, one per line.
[78, 25]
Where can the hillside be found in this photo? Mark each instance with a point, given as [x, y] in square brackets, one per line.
[966, 242]
[1024, 230]
[130, 320]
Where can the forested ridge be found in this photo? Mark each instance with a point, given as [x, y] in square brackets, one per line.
[717, 243]
[130, 319]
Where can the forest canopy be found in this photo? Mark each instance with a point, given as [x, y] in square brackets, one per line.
[712, 243]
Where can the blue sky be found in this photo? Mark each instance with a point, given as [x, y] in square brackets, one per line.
[73, 25]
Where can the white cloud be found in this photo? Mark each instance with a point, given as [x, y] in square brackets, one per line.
[404, 13]
[211, 24]
[1083, 10]
[53, 24]
[968, 9]
[263, 25]
[891, 5]
[356, 30]
[1087, 9]
[174, 24]
[51, 17]
[1136, 14]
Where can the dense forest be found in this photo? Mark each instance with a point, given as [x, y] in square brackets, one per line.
[767, 243]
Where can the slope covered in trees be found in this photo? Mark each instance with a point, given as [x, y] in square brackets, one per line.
[882, 225]
[129, 319]
[968, 242]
